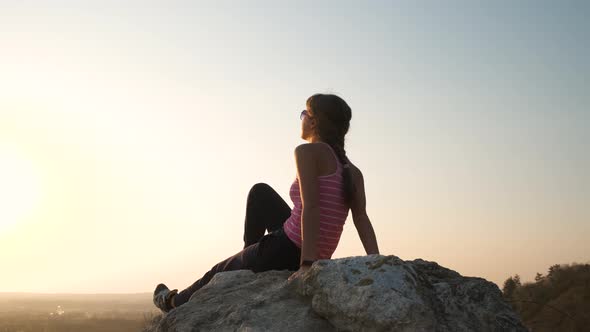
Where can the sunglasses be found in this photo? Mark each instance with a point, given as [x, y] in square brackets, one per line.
[303, 113]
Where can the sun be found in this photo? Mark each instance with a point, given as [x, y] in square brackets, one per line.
[19, 187]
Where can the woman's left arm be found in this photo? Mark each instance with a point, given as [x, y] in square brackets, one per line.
[305, 158]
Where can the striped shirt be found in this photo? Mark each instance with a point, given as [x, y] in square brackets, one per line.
[333, 212]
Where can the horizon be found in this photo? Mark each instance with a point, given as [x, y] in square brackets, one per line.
[151, 293]
[123, 124]
[49, 293]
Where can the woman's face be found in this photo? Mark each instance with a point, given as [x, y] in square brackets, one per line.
[308, 125]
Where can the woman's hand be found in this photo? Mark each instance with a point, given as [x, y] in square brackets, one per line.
[299, 273]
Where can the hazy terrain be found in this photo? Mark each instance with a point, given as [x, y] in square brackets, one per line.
[26, 312]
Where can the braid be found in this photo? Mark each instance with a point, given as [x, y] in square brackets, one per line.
[348, 185]
[339, 149]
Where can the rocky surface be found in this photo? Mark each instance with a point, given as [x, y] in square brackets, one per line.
[364, 293]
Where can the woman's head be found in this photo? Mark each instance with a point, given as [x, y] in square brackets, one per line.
[327, 118]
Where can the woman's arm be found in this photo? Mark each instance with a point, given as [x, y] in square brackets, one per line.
[307, 172]
[366, 233]
[360, 217]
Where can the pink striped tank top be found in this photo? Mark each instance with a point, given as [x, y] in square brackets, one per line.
[333, 212]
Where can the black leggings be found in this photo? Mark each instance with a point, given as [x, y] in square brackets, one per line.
[265, 211]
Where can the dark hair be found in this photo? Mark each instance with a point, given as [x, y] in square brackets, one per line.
[333, 120]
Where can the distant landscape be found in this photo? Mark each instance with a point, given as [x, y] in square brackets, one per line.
[26, 312]
[556, 301]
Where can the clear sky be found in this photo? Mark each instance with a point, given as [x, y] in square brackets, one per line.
[131, 134]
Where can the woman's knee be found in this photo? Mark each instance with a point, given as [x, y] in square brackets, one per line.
[261, 188]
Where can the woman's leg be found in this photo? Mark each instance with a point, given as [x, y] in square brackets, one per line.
[274, 252]
[245, 259]
[265, 211]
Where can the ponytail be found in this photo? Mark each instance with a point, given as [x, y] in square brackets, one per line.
[348, 184]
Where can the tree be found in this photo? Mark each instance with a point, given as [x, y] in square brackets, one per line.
[538, 277]
[509, 287]
[553, 270]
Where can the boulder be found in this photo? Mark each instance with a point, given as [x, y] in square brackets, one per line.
[364, 293]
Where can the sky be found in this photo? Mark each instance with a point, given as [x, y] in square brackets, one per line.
[131, 132]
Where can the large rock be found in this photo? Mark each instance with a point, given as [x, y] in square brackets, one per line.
[365, 293]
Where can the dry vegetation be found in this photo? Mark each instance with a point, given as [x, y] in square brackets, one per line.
[558, 301]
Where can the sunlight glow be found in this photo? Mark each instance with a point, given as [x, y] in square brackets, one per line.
[19, 187]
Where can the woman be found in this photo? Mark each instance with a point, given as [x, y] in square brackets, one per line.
[327, 185]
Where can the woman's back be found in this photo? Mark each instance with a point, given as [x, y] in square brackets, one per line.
[328, 163]
[332, 205]
[333, 210]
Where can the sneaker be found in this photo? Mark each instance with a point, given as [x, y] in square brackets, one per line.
[162, 297]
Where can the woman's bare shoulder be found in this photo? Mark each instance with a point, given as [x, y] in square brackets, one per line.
[310, 147]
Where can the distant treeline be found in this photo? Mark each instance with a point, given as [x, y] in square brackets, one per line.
[558, 301]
